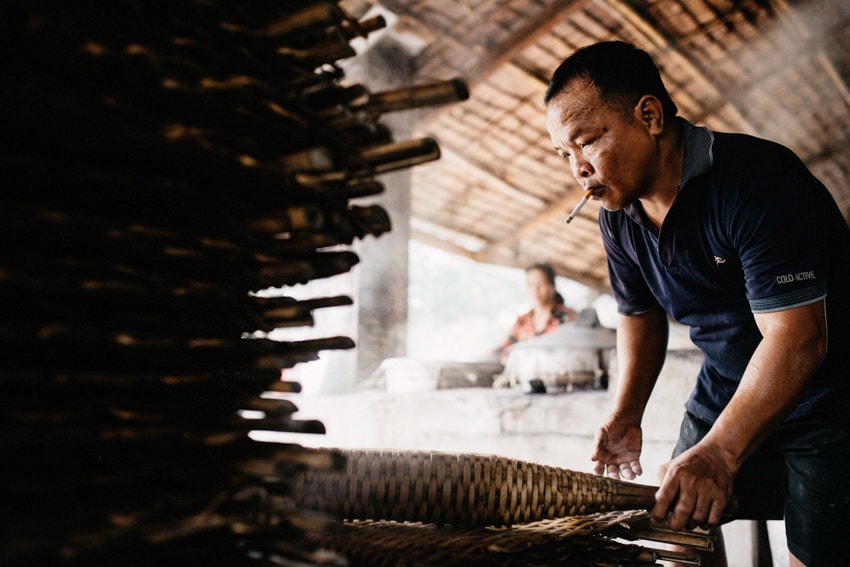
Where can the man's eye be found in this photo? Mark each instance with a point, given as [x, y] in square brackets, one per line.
[586, 143]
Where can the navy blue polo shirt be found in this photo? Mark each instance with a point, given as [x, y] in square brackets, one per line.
[750, 231]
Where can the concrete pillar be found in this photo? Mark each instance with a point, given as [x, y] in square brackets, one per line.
[382, 275]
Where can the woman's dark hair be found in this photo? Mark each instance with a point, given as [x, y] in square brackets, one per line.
[549, 272]
[621, 73]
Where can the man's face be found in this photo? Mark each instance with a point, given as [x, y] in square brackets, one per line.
[610, 152]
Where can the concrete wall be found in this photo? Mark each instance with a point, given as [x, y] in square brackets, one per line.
[554, 429]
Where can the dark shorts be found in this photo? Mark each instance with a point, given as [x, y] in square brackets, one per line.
[800, 474]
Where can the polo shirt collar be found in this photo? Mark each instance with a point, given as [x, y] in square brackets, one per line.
[697, 160]
[698, 155]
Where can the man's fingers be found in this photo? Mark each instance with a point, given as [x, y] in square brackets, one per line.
[699, 516]
[715, 516]
[683, 511]
[675, 503]
[599, 468]
[625, 471]
[664, 498]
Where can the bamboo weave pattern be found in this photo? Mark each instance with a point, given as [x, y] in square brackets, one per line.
[576, 541]
[462, 490]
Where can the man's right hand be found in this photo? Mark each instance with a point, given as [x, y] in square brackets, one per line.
[617, 451]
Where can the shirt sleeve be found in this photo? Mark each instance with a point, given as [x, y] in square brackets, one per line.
[628, 285]
[776, 226]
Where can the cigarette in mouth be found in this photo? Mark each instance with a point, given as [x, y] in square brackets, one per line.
[579, 206]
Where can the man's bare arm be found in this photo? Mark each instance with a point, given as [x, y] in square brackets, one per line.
[641, 348]
[698, 483]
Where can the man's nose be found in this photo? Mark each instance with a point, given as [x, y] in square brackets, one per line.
[581, 169]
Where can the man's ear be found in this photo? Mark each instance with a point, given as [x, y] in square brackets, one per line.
[649, 112]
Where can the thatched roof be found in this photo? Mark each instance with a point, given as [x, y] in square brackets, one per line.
[499, 193]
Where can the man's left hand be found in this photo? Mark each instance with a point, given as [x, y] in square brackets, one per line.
[695, 489]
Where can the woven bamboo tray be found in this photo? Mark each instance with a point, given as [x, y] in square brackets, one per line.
[598, 540]
[571, 541]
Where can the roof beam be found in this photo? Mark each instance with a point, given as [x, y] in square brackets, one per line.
[553, 210]
[450, 154]
[519, 262]
[440, 243]
[530, 31]
[563, 270]
[498, 256]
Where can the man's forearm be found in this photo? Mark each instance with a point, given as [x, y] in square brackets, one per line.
[641, 349]
[779, 371]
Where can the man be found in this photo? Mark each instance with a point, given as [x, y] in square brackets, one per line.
[732, 236]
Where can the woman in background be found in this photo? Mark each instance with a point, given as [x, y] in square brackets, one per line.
[548, 311]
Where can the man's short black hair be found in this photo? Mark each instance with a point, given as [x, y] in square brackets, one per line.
[621, 73]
